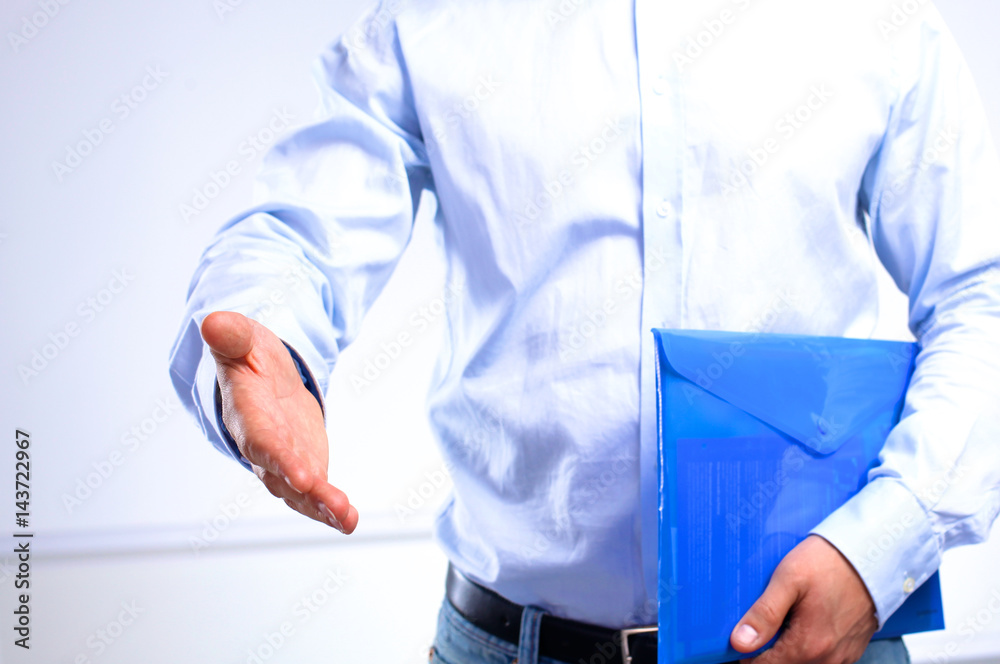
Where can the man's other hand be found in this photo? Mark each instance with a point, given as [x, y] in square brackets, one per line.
[830, 615]
[276, 422]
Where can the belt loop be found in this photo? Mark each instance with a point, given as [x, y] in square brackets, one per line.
[527, 647]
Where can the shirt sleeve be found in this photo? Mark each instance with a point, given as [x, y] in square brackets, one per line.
[335, 205]
[931, 192]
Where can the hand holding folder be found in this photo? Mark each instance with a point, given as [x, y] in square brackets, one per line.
[761, 437]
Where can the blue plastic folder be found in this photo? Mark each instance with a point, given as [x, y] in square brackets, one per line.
[761, 437]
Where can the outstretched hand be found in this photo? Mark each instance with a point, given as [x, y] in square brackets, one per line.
[276, 422]
[828, 615]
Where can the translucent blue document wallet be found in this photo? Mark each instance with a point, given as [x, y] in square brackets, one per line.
[761, 437]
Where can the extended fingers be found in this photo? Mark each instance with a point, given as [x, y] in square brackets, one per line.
[322, 501]
[302, 503]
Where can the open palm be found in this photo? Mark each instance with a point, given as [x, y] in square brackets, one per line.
[276, 422]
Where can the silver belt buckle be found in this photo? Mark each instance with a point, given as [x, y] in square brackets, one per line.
[626, 633]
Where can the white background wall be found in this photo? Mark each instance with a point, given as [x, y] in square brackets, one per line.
[213, 564]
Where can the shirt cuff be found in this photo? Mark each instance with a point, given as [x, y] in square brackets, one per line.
[308, 381]
[888, 537]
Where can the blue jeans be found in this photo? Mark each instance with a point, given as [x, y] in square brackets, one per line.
[460, 642]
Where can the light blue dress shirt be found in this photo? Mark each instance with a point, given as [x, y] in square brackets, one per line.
[603, 168]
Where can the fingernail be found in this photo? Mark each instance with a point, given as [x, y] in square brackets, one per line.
[330, 518]
[745, 635]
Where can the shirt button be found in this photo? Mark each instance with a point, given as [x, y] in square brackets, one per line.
[665, 209]
[908, 585]
[660, 86]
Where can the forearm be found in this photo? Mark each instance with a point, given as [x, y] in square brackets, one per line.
[254, 267]
[938, 483]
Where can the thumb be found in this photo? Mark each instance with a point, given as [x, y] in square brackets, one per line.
[762, 621]
[228, 334]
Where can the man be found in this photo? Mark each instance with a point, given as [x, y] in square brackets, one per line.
[602, 169]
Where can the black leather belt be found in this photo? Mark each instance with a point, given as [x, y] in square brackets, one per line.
[559, 638]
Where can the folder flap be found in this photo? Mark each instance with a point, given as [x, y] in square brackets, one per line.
[816, 390]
